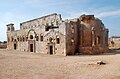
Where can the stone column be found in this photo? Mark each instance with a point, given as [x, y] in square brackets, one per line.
[107, 36]
[93, 36]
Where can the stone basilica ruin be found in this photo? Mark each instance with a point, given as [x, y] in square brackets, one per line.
[52, 35]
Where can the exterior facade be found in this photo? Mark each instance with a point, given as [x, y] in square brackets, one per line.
[52, 35]
[93, 35]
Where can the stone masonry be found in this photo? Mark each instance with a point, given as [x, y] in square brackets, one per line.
[52, 35]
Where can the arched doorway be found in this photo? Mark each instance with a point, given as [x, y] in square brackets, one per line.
[31, 39]
[31, 47]
[51, 46]
[31, 43]
[51, 49]
[98, 40]
[15, 44]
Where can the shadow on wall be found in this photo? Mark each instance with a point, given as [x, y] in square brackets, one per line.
[111, 52]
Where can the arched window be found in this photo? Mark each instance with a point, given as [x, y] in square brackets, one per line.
[15, 40]
[18, 38]
[72, 28]
[31, 36]
[37, 38]
[57, 40]
[23, 39]
[98, 40]
[50, 39]
[41, 37]
[8, 28]
[12, 39]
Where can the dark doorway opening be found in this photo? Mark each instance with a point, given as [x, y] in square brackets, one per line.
[77, 52]
[15, 46]
[31, 47]
[51, 50]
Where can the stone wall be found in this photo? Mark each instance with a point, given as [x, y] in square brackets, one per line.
[71, 37]
[94, 35]
[51, 35]
[54, 19]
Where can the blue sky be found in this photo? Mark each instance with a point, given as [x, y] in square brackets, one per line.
[17, 11]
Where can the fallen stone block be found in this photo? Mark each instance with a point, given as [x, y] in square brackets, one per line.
[100, 63]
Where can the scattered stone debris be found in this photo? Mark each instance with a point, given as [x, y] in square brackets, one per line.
[100, 63]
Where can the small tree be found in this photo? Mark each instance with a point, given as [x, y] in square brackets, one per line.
[112, 42]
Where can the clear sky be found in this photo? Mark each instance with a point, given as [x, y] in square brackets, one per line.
[17, 11]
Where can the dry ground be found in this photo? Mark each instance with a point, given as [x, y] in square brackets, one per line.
[24, 65]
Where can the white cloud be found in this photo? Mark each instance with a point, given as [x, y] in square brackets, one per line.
[108, 13]
[76, 14]
[96, 13]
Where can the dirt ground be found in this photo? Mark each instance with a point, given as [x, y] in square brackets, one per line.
[25, 65]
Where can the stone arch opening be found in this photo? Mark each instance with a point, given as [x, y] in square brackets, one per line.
[23, 39]
[8, 29]
[51, 50]
[98, 40]
[57, 39]
[31, 48]
[50, 40]
[37, 38]
[15, 44]
[18, 38]
[31, 36]
[41, 37]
